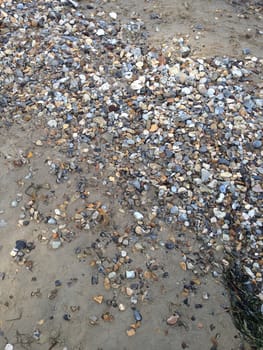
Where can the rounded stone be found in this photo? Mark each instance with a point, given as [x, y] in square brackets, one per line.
[257, 144]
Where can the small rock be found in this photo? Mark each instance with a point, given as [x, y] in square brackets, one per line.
[67, 317]
[174, 210]
[246, 51]
[185, 51]
[100, 32]
[205, 175]
[123, 253]
[138, 216]
[138, 84]
[257, 144]
[183, 265]
[249, 272]
[113, 15]
[14, 204]
[122, 307]
[186, 90]
[226, 237]
[137, 316]
[236, 72]
[205, 296]
[112, 275]
[55, 244]
[93, 320]
[130, 332]
[169, 245]
[98, 298]
[52, 221]
[220, 198]
[52, 123]
[257, 188]
[14, 252]
[130, 274]
[172, 320]
[39, 143]
[139, 230]
[58, 283]
[219, 214]
[20, 245]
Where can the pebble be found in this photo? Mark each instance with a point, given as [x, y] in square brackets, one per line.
[55, 244]
[257, 144]
[130, 274]
[67, 317]
[236, 72]
[218, 213]
[100, 32]
[112, 275]
[52, 221]
[137, 84]
[174, 210]
[172, 320]
[20, 245]
[186, 91]
[205, 175]
[58, 283]
[14, 203]
[122, 307]
[137, 316]
[138, 216]
[39, 143]
[9, 347]
[169, 245]
[52, 123]
[113, 15]
[246, 51]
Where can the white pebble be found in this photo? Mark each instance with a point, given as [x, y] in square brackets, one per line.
[130, 274]
[9, 347]
[52, 123]
[138, 216]
[100, 32]
[113, 15]
[219, 214]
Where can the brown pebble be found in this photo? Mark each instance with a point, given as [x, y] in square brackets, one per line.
[130, 332]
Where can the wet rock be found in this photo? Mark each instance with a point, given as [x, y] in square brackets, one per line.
[169, 245]
[20, 245]
[137, 315]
